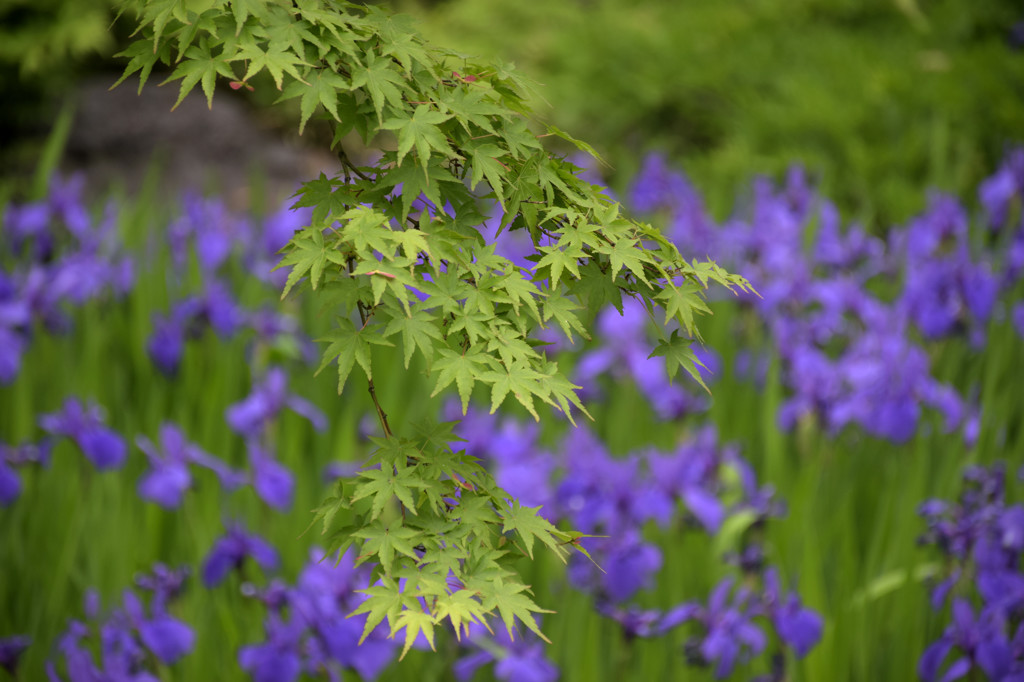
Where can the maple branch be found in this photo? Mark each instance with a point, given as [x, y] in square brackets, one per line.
[381, 414]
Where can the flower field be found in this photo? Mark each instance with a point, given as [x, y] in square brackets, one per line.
[844, 503]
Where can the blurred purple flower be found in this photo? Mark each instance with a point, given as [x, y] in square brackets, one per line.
[10, 484]
[168, 638]
[16, 456]
[518, 659]
[277, 659]
[230, 551]
[319, 630]
[125, 634]
[981, 642]
[272, 480]
[105, 448]
[11, 649]
[169, 476]
[996, 192]
[268, 398]
[799, 627]
[729, 637]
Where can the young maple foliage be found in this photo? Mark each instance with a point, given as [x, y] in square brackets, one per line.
[395, 249]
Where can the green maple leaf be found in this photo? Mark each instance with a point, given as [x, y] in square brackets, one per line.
[415, 621]
[384, 600]
[522, 381]
[401, 42]
[412, 242]
[381, 81]
[561, 309]
[563, 392]
[368, 231]
[243, 9]
[521, 290]
[419, 329]
[447, 291]
[579, 144]
[325, 18]
[557, 258]
[485, 164]
[473, 511]
[415, 182]
[472, 322]
[681, 301]
[460, 607]
[327, 196]
[529, 525]
[142, 59]
[510, 346]
[511, 602]
[321, 88]
[462, 368]
[422, 131]
[293, 33]
[383, 485]
[572, 538]
[277, 59]
[677, 353]
[308, 255]
[436, 435]
[199, 65]
[472, 106]
[384, 540]
[350, 345]
[330, 507]
[443, 559]
[627, 253]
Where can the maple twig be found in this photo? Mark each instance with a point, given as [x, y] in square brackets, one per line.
[381, 414]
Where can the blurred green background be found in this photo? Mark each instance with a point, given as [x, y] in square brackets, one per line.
[878, 98]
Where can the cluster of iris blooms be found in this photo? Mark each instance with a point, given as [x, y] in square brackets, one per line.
[814, 298]
[847, 312]
[696, 487]
[980, 538]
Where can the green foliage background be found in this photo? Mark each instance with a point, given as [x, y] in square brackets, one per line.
[879, 98]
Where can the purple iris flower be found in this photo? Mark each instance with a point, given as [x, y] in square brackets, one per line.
[268, 398]
[164, 582]
[630, 566]
[691, 474]
[278, 229]
[166, 345]
[213, 229]
[19, 456]
[104, 447]
[521, 658]
[318, 633]
[230, 551]
[980, 641]
[799, 627]
[168, 638]
[998, 190]
[169, 476]
[1018, 319]
[277, 659]
[273, 481]
[12, 346]
[729, 636]
[635, 622]
[215, 308]
[11, 649]
[10, 484]
[130, 636]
